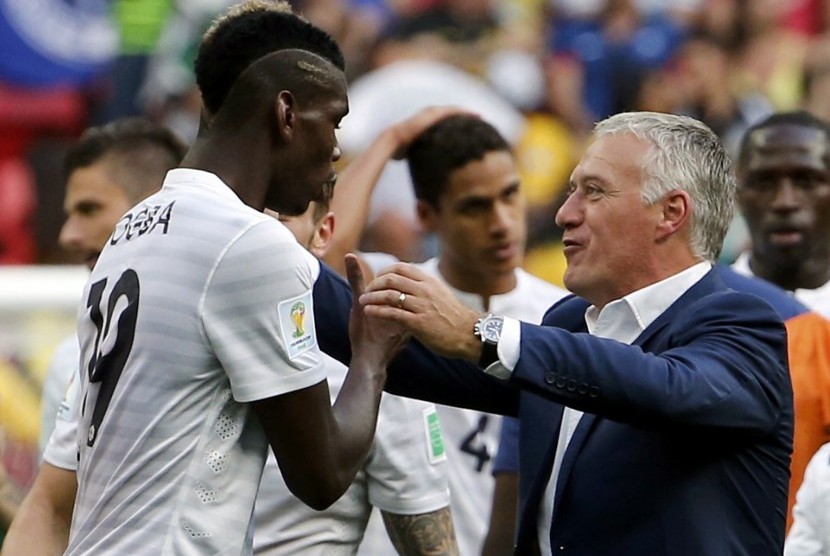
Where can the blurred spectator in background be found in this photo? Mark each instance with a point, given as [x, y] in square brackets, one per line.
[772, 58]
[709, 90]
[784, 194]
[599, 56]
[390, 94]
[139, 24]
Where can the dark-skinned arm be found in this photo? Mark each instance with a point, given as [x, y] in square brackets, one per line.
[320, 447]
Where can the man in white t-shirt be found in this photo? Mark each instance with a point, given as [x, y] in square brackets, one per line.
[469, 195]
[187, 328]
[405, 473]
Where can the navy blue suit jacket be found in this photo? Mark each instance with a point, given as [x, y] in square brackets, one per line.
[685, 442]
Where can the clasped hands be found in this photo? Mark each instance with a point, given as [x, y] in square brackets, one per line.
[425, 307]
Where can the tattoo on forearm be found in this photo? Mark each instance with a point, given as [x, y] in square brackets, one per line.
[422, 534]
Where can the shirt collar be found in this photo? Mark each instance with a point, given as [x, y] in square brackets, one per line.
[205, 180]
[624, 319]
[741, 264]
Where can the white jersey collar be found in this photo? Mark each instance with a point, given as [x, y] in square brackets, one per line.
[200, 178]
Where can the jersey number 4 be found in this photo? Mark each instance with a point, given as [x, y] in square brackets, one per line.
[105, 368]
[474, 445]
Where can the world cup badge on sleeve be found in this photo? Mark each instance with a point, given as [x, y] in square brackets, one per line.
[297, 324]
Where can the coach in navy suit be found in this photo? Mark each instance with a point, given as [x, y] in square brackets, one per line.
[655, 405]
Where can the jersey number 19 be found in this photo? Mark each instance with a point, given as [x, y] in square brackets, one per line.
[105, 368]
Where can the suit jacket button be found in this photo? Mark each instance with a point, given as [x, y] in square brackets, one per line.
[572, 385]
[593, 391]
[560, 382]
[583, 388]
[550, 378]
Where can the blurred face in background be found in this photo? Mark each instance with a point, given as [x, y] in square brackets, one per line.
[784, 196]
[480, 221]
[93, 204]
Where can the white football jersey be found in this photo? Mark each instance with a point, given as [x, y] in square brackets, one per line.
[471, 437]
[405, 473]
[62, 448]
[62, 368]
[197, 305]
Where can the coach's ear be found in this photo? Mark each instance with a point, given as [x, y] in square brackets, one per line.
[286, 118]
[675, 212]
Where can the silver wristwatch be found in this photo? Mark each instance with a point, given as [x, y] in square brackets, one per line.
[488, 330]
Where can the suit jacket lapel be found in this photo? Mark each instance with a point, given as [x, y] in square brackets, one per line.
[707, 284]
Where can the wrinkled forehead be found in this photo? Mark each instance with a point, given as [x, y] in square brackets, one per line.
[787, 145]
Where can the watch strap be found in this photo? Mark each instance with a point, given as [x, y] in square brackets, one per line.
[489, 354]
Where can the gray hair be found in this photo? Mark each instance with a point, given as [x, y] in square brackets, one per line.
[685, 155]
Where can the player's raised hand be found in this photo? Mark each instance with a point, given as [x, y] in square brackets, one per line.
[373, 339]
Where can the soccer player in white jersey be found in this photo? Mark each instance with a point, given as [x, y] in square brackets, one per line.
[197, 333]
[469, 195]
[405, 475]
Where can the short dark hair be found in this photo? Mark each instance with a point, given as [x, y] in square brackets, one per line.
[800, 118]
[447, 146]
[248, 32]
[323, 204]
[145, 151]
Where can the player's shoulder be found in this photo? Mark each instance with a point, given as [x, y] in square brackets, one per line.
[784, 304]
[267, 252]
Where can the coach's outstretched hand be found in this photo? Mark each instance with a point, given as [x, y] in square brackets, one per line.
[406, 296]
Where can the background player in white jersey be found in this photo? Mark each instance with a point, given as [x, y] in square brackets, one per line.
[197, 335]
[469, 195]
[405, 475]
[109, 169]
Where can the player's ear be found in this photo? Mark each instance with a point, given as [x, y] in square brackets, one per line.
[321, 239]
[285, 120]
[427, 215]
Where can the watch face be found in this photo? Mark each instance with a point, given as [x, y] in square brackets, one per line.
[491, 329]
